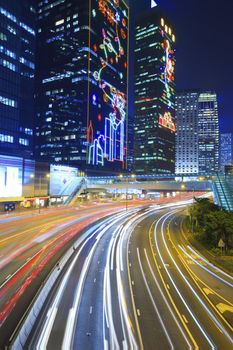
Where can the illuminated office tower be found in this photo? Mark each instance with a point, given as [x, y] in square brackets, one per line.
[208, 133]
[82, 81]
[154, 119]
[187, 132]
[226, 150]
[17, 65]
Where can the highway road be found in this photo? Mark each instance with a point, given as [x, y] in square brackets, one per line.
[135, 283]
[30, 245]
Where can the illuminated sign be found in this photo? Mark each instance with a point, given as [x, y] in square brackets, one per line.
[61, 178]
[107, 117]
[167, 122]
[153, 4]
[10, 176]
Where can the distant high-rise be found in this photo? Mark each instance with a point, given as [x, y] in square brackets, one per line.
[82, 83]
[154, 119]
[187, 132]
[197, 139]
[208, 133]
[17, 65]
[226, 150]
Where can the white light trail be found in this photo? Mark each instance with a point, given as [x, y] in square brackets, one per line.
[153, 302]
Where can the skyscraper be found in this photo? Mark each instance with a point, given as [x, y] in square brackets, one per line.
[82, 83]
[208, 133]
[187, 132]
[17, 65]
[154, 119]
[197, 137]
[226, 150]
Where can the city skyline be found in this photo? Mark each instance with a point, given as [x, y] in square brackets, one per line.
[203, 34]
[116, 222]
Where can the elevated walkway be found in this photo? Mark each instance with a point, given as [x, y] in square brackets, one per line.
[223, 191]
[75, 189]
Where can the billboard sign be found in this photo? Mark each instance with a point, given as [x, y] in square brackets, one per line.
[61, 180]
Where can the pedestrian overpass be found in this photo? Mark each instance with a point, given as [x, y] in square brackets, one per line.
[220, 184]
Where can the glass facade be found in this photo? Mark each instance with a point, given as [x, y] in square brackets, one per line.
[17, 66]
[187, 132]
[81, 117]
[197, 137]
[226, 150]
[154, 119]
[208, 133]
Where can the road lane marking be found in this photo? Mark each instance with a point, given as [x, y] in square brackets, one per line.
[153, 302]
[206, 269]
[208, 263]
[224, 308]
[196, 280]
[212, 317]
[185, 319]
[90, 310]
[170, 297]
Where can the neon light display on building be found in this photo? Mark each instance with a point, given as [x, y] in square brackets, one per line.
[166, 120]
[108, 69]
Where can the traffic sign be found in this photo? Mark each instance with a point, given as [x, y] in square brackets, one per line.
[221, 243]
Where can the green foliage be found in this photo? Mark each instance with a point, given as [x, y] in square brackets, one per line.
[210, 223]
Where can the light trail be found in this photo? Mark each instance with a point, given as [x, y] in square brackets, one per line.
[205, 268]
[165, 300]
[153, 302]
[213, 318]
[212, 345]
[47, 327]
[70, 325]
[211, 265]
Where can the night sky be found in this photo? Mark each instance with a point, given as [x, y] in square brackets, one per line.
[204, 32]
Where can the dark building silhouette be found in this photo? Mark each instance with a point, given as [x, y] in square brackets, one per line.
[81, 85]
[154, 119]
[17, 66]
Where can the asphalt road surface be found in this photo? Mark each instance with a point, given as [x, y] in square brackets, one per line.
[135, 283]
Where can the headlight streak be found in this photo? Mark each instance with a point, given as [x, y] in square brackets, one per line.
[192, 274]
[165, 300]
[153, 302]
[115, 249]
[71, 321]
[205, 268]
[214, 319]
[121, 294]
[208, 263]
[47, 327]
[107, 301]
[163, 218]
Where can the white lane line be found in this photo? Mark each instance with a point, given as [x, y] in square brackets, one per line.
[166, 302]
[205, 268]
[90, 312]
[212, 316]
[164, 218]
[208, 263]
[47, 327]
[69, 329]
[153, 302]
